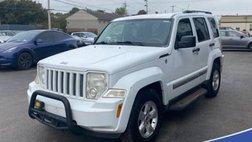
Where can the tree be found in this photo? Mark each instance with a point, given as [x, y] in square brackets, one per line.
[22, 12]
[59, 20]
[141, 12]
[121, 11]
[74, 10]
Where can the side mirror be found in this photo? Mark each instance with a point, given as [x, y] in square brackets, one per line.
[186, 42]
[95, 38]
[37, 41]
[242, 36]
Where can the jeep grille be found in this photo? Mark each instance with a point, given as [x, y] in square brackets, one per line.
[65, 82]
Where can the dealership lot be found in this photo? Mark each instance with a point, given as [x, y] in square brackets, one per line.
[208, 118]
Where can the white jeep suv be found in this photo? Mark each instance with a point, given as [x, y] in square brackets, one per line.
[138, 67]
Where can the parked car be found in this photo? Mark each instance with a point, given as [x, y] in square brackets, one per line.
[27, 48]
[232, 39]
[227, 28]
[138, 67]
[80, 41]
[5, 35]
[88, 37]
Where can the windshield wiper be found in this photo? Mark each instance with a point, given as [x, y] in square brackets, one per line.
[130, 43]
[102, 42]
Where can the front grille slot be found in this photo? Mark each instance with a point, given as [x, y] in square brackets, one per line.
[65, 82]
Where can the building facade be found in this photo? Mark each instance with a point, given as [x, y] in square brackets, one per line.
[239, 22]
[88, 20]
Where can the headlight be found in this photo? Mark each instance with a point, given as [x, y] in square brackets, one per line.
[96, 85]
[11, 49]
[40, 78]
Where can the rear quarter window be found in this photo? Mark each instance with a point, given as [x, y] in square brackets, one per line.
[214, 27]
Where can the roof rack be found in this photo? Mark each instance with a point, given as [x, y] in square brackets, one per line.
[197, 11]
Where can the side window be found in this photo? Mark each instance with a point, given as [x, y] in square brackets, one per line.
[184, 29]
[201, 29]
[233, 34]
[214, 27]
[46, 37]
[223, 33]
[59, 36]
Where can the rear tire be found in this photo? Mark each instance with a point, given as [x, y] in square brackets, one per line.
[24, 61]
[213, 85]
[144, 122]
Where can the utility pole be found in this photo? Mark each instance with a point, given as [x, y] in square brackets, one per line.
[146, 5]
[49, 15]
[125, 7]
[173, 6]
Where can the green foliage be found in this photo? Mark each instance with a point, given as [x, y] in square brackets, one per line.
[121, 11]
[74, 10]
[59, 20]
[141, 12]
[22, 12]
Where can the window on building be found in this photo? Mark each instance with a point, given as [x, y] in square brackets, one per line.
[201, 29]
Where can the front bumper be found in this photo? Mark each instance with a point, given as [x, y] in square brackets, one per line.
[4, 62]
[68, 113]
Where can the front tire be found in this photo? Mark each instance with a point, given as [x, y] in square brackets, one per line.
[213, 85]
[144, 123]
[250, 47]
[24, 61]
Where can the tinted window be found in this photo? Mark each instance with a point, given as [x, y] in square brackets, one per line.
[46, 37]
[24, 36]
[233, 34]
[214, 27]
[184, 29]
[59, 36]
[201, 29]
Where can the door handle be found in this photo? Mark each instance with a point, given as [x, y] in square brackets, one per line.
[211, 44]
[196, 50]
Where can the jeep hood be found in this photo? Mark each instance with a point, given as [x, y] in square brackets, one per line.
[109, 58]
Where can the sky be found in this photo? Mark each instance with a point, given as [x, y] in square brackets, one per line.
[217, 7]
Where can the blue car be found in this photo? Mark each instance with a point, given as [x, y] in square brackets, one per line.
[27, 48]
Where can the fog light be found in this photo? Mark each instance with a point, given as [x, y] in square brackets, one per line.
[39, 104]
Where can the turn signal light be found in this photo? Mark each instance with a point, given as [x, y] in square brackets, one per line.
[119, 109]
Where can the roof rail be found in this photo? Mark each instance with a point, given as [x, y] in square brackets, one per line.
[197, 11]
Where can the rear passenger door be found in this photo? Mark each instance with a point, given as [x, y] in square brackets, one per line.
[204, 42]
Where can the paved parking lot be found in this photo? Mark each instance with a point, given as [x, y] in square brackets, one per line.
[208, 118]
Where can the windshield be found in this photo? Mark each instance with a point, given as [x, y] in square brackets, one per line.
[24, 36]
[146, 32]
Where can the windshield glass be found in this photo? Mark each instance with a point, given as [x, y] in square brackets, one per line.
[146, 32]
[24, 36]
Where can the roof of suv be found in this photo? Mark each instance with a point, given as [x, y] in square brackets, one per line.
[163, 16]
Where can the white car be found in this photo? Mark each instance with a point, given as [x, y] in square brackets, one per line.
[87, 37]
[5, 35]
[138, 67]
